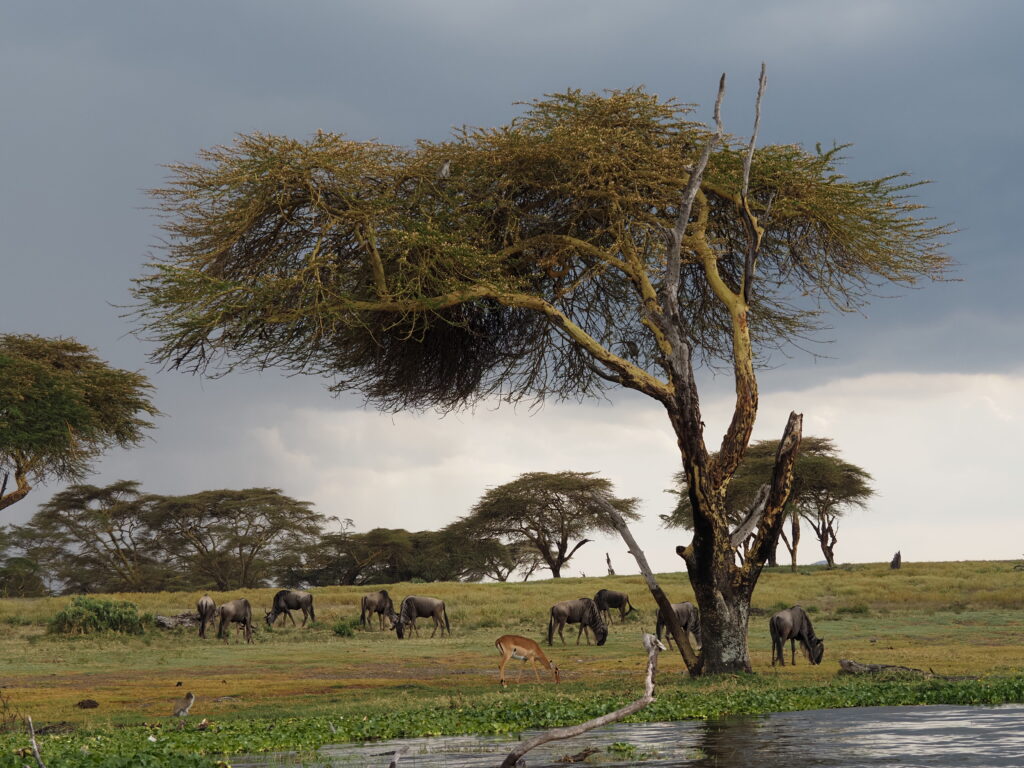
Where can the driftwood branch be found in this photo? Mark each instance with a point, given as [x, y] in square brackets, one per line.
[35, 745]
[653, 646]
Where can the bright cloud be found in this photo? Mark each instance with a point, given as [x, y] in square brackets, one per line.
[942, 450]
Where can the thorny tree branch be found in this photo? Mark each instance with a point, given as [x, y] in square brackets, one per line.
[653, 646]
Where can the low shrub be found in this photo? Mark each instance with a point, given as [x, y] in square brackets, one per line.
[86, 615]
[345, 627]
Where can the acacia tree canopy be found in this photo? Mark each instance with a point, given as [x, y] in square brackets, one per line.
[227, 537]
[94, 539]
[550, 512]
[596, 240]
[61, 407]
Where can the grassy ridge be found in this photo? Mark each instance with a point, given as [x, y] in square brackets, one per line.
[294, 685]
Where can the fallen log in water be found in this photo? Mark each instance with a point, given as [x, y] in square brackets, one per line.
[850, 667]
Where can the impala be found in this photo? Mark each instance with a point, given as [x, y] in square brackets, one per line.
[519, 647]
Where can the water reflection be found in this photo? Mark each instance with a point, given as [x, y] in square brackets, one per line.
[870, 737]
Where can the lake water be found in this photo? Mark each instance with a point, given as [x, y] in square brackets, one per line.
[893, 737]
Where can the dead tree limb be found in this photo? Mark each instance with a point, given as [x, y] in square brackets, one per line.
[664, 604]
[653, 646]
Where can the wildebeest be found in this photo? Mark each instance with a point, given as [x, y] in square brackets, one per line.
[793, 624]
[582, 611]
[207, 611]
[607, 599]
[377, 602]
[288, 600]
[239, 612]
[414, 607]
[688, 618]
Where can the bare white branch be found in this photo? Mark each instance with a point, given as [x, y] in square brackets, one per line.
[676, 234]
[761, 83]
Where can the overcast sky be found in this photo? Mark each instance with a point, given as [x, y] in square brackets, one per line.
[926, 391]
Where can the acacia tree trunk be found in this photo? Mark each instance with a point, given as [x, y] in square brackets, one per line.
[795, 529]
[828, 541]
[723, 590]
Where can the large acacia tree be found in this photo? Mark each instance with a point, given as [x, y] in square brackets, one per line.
[599, 240]
[61, 407]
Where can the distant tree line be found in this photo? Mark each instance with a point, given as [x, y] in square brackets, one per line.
[118, 538]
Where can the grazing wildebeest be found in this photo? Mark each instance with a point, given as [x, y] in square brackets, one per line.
[380, 603]
[288, 600]
[689, 621]
[582, 611]
[793, 624]
[607, 599]
[414, 607]
[207, 611]
[525, 649]
[239, 612]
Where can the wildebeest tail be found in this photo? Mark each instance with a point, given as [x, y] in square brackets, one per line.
[312, 613]
[551, 627]
[444, 612]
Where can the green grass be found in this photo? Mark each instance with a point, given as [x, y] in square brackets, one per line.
[288, 689]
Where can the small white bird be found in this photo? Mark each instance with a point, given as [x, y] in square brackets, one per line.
[182, 706]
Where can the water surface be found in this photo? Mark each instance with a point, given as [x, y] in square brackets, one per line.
[894, 737]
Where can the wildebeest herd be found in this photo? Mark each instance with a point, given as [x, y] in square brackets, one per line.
[592, 614]
[239, 611]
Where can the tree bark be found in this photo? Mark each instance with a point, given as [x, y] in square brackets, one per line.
[795, 529]
[20, 491]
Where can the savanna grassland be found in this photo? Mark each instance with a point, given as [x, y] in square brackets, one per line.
[299, 688]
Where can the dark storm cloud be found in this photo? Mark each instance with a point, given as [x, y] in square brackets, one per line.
[97, 96]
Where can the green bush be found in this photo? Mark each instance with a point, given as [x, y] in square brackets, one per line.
[86, 615]
[345, 627]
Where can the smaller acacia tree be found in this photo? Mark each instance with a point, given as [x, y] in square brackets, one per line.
[824, 488]
[551, 512]
[829, 488]
[60, 408]
[93, 539]
[227, 538]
